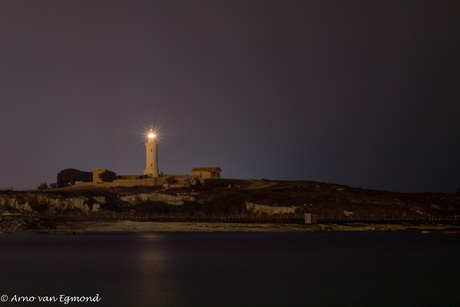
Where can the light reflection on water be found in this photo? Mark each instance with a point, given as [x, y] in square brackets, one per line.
[237, 269]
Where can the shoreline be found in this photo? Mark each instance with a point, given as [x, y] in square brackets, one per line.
[58, 225]
[147, 226]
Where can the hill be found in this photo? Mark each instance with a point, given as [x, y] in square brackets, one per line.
[323, 199]
[232, 200]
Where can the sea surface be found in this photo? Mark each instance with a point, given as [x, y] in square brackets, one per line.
[233, 269]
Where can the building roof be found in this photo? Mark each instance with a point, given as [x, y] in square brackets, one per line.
[205, 169]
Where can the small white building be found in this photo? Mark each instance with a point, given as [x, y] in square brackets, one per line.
[206, 172]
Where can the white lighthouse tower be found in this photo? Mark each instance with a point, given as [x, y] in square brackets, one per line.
[151, 158]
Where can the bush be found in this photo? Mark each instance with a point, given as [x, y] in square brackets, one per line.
[196, 181]
[108, 176]
[156, 206]
[70, 176]
[112, 202]
[225, 203]
[42, 186]
[191, 207]
[171, 180]
[219, 183]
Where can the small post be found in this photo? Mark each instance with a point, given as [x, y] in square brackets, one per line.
[307, 218]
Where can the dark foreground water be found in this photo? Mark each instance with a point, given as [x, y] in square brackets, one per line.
[234, 269]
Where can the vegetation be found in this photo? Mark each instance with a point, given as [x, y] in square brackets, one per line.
[196, 181]
[42, 186]
[171, 180]
[156, 206]
[108, 176]
[227, 202]
[219, 183]
[228, 197]
[70, 176]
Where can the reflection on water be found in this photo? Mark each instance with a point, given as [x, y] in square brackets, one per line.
[150, 269]
[236, 269]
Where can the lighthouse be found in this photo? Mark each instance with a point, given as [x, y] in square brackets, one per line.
[151, 158]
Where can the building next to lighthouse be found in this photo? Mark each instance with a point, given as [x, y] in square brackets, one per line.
[206, 172]
[151, 158]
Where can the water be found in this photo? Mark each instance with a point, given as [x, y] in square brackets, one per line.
[235, 269]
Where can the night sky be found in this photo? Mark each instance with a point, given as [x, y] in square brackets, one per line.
[361, 93]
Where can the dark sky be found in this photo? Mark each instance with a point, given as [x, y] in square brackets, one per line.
[361, 93]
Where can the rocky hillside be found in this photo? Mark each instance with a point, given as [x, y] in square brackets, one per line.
[225, 196]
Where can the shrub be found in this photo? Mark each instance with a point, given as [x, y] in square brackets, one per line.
[217, 183]
[70, 176]
[225, 203]
[191, 206]
[171, 180]
[42, 186]
[108, 176]
[196, 181]
[156, 206]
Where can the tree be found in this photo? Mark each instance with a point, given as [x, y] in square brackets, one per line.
[42, 186]
[108, 176]
[70, 176]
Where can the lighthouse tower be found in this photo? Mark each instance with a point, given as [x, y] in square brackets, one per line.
[151, 158]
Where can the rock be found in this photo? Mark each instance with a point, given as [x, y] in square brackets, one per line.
[24, 207]
[129, 198]
[77, 203]
[270, 210]
[170, 199]
[96, 207]
[64, 205]
[11, 202]
[100, 199]
[42, 200]
[54, 203]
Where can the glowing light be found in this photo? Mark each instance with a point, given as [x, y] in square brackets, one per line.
[151, 134]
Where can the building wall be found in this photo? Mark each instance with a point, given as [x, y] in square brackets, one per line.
[96, 173]
[216, 175]
[206, 174]
[132, 183]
